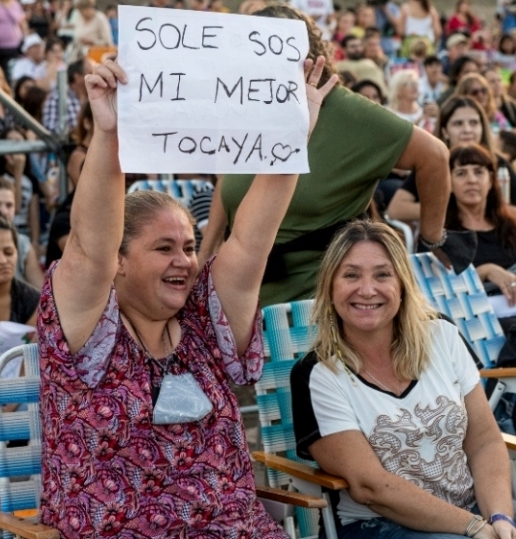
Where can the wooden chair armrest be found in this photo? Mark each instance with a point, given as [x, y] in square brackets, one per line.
[301, 471]
[291, 498]
[509, 372]
[25, 528]
[510, 441]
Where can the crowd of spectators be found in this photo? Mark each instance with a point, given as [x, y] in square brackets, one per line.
[410, 79]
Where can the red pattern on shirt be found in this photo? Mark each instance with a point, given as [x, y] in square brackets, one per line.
[108, 471]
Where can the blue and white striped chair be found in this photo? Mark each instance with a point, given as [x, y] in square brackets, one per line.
[287, 338]
[182, 190]
[21, 497]
[23, 464]
[463, 298]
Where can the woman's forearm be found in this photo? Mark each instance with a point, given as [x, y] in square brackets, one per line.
[411, 506]
[213, 235]
[491, 467]
[484, 271]
[349, 455]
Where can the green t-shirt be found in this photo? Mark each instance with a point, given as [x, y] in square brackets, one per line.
[354, 145]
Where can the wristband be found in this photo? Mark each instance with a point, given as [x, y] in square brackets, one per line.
[500, 516]
[437, 244]
[475, 520]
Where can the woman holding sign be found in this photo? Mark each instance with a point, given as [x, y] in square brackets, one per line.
[356, 143]
[126, 327]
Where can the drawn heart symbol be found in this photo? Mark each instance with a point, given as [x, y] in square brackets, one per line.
[282, 152]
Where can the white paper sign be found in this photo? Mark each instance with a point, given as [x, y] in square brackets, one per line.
[501, 306]
[211, 92]
[13, 334]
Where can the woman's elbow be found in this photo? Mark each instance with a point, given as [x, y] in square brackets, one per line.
[367, 491]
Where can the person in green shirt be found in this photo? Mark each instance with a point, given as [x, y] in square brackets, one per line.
[355, 144]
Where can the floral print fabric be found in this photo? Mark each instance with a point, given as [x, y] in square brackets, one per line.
[107, 470]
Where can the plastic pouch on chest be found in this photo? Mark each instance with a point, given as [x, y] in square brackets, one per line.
[180, 400]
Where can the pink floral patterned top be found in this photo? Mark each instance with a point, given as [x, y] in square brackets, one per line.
[107, 470]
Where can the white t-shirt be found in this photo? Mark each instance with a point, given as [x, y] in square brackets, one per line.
[419, 435]
[24, 67]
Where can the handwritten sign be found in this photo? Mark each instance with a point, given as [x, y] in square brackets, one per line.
[211, 92]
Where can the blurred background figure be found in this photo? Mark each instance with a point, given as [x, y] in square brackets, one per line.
[476, 86]
[463, 20]
[370, 90]
[419, 20]
[33, 55]
[13, 26]
[431, 83]
[320, 11]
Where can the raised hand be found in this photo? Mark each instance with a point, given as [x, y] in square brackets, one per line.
[314, 94]
[504, 280]
[101, 87]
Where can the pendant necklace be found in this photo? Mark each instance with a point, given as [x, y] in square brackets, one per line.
[383, 386]
[168, 355]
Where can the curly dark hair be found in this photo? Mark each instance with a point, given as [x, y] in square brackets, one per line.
[317, 45]
[496, 209]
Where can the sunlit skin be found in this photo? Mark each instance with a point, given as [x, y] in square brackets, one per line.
[409, 91]
[7, 204]
[480, 93]
[467, 68]
[159, 269]
[470, 185]
[464, 125]
[495, 81]
[345, 23]
[8, 257]
[366, 292]
[434, 73]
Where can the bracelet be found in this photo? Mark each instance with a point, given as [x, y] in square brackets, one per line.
[473, 533]
[474, 520]
[500, 516]
[436, 245]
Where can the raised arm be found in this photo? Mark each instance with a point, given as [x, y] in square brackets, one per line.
[213, 235]
[427, 156]
[83, 278]
[239, 267]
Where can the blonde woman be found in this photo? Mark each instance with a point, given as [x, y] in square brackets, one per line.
[477, 86]
[403, 100]
[390, 400]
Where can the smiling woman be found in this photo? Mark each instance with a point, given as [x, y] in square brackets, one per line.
[461, 120]
[124, 319]
[372, 403]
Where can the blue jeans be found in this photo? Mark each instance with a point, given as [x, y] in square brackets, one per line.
[383, 528]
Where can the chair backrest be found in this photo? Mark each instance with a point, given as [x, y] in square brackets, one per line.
[287, 338]
[182, 190]
[22, 463]
[462, 298]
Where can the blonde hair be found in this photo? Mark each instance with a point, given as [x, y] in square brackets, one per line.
[399, 79]
[467, 83]
[411, 337]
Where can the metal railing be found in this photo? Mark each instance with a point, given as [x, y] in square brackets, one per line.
[47, 141]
